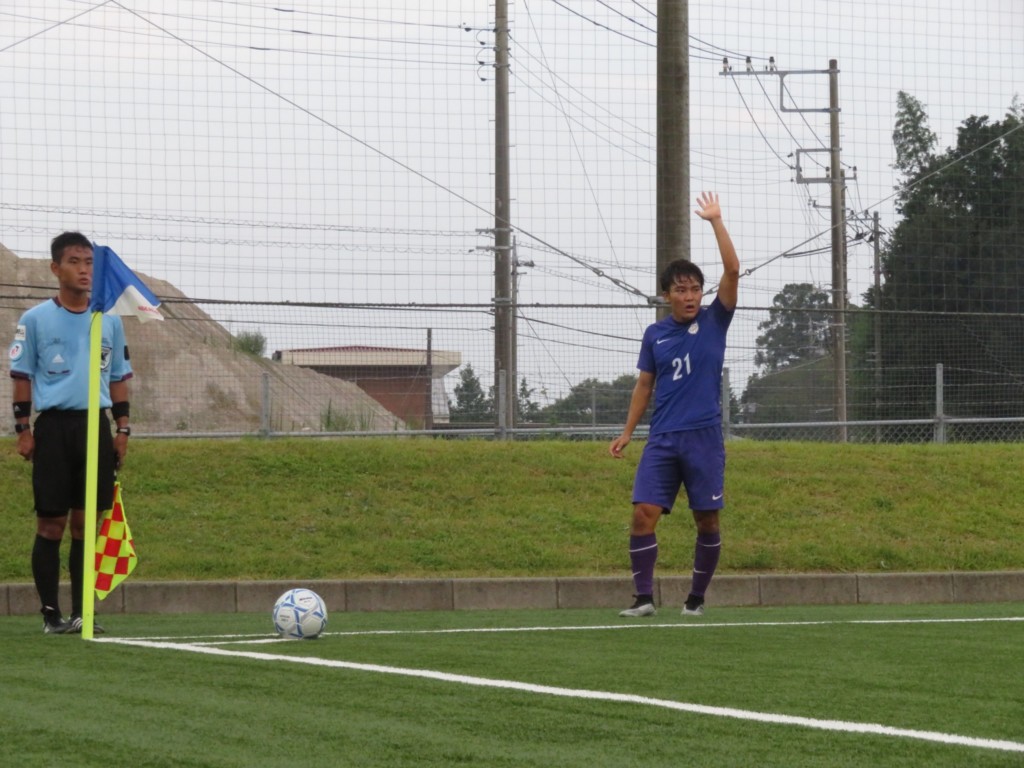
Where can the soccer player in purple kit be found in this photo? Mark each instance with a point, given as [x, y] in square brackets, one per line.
[681, 359]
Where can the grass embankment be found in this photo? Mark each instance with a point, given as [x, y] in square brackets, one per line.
[421, 507]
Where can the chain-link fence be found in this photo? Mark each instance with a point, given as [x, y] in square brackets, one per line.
[347, 240]
[400, 370]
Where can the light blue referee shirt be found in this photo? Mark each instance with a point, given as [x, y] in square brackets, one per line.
[51, 347]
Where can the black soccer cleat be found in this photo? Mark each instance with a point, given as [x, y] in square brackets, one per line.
[644, 606]
[694, 606]
[54, 623]
[75, 626]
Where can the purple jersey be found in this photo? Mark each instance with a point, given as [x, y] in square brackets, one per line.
[686, 360]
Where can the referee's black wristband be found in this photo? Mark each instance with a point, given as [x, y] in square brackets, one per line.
[22, 409]
[120, 410]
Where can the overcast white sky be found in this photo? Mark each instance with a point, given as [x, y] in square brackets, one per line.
[343, 152]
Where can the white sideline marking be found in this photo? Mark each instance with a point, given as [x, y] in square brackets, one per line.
[873, 729]
[689, 624]
[265, 638]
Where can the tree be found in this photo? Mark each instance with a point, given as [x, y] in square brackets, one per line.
[954, 271]
[527, 409]
[913, 140]
[471, 404]
[797, 328]
[795, 382]
[593, 402]
[791, 394]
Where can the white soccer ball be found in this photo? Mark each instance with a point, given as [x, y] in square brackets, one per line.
[300, 614]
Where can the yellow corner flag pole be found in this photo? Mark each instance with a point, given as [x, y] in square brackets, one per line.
[92, 461]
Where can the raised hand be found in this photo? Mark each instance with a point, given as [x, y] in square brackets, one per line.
[709, 207]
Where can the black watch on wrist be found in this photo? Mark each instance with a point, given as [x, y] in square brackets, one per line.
[126, 431]
[19, 428]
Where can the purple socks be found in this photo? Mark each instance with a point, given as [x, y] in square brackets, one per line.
[643, 554]
[705, 560]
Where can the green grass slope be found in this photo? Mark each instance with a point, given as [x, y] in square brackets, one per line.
[423, 507]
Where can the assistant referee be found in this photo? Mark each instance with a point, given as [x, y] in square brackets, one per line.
[50, 369]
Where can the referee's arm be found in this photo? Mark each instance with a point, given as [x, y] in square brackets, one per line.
[119, 394]
[23, 394]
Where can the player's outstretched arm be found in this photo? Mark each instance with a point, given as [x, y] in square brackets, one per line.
[728, 287]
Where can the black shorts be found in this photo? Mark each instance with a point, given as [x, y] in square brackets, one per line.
[58, 465]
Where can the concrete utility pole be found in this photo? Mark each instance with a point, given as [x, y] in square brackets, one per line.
[838, 249]
[504, 373]
[428, 412]
[673, 157]
[877, 236]
[836, 178]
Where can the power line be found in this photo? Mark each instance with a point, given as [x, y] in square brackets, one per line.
[642, 7]
[54, 26]
[311, 33]
[211, 221]
[405, 166]
[250, 46]
[600, 136]
[326, 15]
[596, 103]
[758, 127]
[627, 18]
[579, 155]
[602, 26]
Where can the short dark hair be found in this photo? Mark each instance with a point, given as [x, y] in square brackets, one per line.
[678, 269]
[66, 240]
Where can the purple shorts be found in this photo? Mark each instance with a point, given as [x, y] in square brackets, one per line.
[694, 459]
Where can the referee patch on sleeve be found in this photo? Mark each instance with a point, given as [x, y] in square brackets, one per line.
[19, 333]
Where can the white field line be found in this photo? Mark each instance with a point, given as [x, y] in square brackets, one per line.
[871, 729]
[689, 624]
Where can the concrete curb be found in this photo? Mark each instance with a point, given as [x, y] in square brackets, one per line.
[539, 593]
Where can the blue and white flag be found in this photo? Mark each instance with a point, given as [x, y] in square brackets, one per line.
[117, 290]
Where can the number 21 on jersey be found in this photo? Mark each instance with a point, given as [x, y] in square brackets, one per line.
[678, 364]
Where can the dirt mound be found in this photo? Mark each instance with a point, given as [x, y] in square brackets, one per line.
[191, 378]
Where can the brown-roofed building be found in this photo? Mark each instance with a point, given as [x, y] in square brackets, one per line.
[408, 382]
